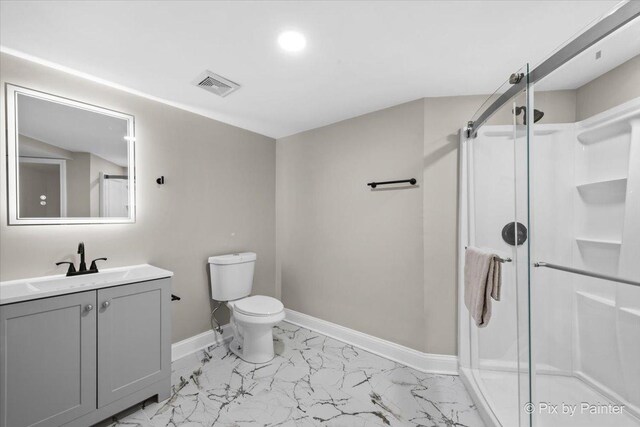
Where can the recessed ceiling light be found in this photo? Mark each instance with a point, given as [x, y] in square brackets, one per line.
[292, 41]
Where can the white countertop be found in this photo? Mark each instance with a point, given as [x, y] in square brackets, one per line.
[47, 286]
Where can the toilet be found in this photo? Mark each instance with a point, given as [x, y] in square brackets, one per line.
[252, 316]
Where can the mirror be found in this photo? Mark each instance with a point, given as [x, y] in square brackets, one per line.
[68, 162]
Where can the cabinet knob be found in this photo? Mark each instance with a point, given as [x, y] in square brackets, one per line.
[106, 304]
[89, 307]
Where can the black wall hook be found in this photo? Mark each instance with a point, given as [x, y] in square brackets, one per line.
[160, 180]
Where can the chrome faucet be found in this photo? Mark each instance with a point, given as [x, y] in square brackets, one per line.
[82, 268]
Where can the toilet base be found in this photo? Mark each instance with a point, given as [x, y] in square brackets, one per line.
[253, 336]
[236, 349]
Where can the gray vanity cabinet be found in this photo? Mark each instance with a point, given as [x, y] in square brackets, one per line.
[133, 330]
[77, 359]
[48, 360]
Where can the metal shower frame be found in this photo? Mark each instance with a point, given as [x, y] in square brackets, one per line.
[621, 16]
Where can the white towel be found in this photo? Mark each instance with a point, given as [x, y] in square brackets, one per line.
[482, 281]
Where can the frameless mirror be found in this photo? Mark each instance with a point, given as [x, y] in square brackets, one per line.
[68, 162]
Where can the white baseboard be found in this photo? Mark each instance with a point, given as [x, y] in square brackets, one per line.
[198, 342]
[425, 362]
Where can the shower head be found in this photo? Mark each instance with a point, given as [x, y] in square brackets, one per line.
[537, 114]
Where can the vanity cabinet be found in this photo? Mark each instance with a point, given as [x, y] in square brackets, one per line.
[133, 326]
[48, 360]
[79, 358]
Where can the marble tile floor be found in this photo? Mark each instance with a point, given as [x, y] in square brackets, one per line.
[314, 380]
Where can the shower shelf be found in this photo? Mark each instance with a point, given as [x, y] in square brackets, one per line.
[604, 191]
[606, 186]
[604, 242]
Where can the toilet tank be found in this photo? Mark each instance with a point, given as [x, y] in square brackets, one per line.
[231, 276]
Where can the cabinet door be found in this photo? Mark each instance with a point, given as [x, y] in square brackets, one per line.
[134, 348]
[47, 360]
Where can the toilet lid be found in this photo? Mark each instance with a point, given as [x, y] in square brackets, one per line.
[258, 305]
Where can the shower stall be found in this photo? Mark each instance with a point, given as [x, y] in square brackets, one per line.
[550, 183]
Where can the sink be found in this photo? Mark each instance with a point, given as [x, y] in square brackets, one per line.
[40, 287]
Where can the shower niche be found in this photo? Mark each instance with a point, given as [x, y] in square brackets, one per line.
[602, 160]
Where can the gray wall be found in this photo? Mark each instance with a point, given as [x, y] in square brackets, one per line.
[442, 119]
[38, 179]
[350, 255]
[613, 88]
[78, 167]
[78, 172]
[219, 197]
[380, 262]
[383, 263]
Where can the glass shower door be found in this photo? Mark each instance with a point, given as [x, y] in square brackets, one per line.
[563, 343]
[498, 211]
[585, 176]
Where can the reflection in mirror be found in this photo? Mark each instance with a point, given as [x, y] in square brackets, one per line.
[74, 161]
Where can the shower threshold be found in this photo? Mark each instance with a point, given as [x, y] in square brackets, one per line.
[554, 390]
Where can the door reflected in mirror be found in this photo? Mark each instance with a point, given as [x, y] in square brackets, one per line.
[69, 162]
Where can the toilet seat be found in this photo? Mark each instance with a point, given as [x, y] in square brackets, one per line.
[258, 306]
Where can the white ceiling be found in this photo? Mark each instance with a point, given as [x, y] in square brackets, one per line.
[73, 129]
[361, 56]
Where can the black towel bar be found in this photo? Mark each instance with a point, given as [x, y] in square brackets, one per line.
[411, 181]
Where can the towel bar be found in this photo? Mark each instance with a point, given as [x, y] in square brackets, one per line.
[502, 260]
[586, 273]
[411, 181]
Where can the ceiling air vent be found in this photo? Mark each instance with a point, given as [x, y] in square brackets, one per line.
[215, 83]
